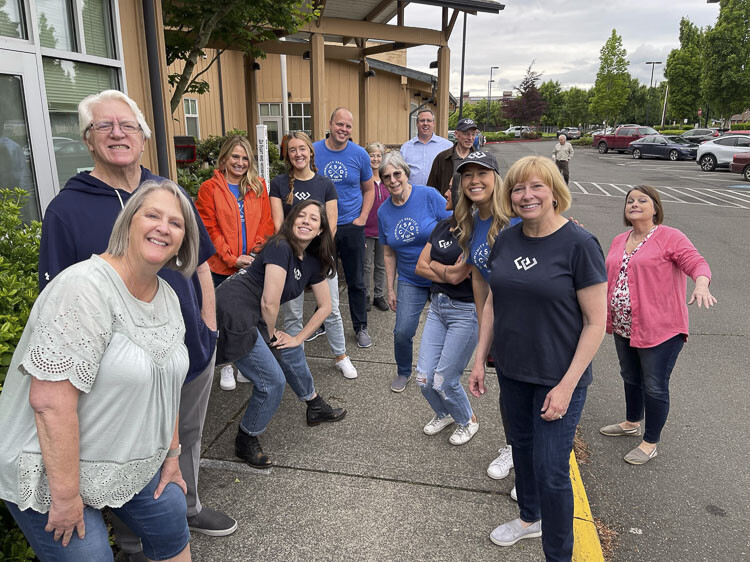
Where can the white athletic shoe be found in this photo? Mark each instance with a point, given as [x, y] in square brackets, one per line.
[500, 467]
[464, 433]
[242, 379]
[227, 378]
[436, 424]
[513, 494]
[346, 368]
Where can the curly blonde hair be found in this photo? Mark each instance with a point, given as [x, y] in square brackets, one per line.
[464, 210]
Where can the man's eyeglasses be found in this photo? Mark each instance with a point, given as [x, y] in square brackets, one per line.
[105, 127]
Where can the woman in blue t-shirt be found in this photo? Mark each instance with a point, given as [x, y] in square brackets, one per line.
[544, 317]
[405, 222]
[247, 306]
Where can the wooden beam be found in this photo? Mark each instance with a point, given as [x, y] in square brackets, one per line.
[385, 48]
[298, 49]
[377, 10]
[317, 86]
[400, 13]
[364, 131]
[443, 90]
[444, 15]
[251, 99]
[448, 30]
[379, 31]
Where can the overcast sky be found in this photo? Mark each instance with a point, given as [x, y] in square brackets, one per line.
[562, 37]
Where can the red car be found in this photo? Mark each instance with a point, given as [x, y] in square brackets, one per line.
[741, 164]
[621, 138]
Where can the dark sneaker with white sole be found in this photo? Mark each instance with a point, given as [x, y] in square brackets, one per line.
[212, 523]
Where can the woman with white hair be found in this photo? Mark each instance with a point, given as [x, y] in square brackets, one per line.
[91, 399]
[78, 222]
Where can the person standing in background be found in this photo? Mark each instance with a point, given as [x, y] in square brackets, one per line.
[561, 154]
[420, 151]
[374, 260]
[443, 174]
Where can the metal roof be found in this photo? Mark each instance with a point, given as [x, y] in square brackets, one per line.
[359, 9]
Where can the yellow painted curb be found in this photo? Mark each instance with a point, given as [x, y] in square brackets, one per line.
[586, 547]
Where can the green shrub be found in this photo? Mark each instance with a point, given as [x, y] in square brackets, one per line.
[13, 545]
[672, 132]
[531, 135]
[740, 127]
[192, 181]
[583, 141]
[495, 137]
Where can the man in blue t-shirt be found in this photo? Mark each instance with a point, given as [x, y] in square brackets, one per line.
[348, 167]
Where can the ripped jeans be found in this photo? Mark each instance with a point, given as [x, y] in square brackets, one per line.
[448, 341]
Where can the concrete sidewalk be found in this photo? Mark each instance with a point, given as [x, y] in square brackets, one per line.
[372, 486]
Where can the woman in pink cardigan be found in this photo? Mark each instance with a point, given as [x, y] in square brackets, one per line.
[646, 293]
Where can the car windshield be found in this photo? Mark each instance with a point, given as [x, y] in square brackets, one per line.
[678, 140]
[647, 131]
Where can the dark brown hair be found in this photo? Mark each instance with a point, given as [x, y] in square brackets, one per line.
[655, 198]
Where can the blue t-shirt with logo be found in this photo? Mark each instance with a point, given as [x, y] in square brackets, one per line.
[318, 188]
[235, 189]
[347, 169]
[480, 250]
[406, 229]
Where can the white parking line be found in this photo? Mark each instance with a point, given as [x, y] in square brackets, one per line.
[706, 178]
[693, 196]
[731, 196]
[675, 199]
[596, 185]
[581, 187]
[620, 190]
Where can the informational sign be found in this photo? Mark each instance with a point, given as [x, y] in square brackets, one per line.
[264, 169]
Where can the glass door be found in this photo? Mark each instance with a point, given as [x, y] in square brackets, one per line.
[274, 128]
[24, 146]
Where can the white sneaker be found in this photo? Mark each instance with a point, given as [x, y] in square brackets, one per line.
[346, 367]
[227, 378]
[436, 424]
[464, 433]
[242, 379]
[513, 494]
[500, 467]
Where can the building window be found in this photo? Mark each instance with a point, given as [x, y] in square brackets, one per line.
[300, 117]
[55, 21]
[192, 127]
[97, 28]
[11, 20]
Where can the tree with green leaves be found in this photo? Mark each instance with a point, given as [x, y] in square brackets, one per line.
[552, 94]
[576, 106]
[191, 25]
[726, 59]
[528, 107]
[611, 89]
[683, 72]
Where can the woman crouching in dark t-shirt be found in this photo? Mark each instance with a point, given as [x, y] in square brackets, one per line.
[544, 317]
[247, 305]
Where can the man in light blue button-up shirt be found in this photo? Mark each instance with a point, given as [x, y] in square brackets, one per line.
[420, 151]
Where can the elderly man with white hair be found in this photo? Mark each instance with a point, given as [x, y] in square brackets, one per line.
[562, 154]
[78, 222]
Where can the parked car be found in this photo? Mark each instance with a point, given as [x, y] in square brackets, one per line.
[570, 132]
[621, 138]
[452, 136]
[700, 135]
[661, 146]
[517, 130]
[741, 164]
[718, 153]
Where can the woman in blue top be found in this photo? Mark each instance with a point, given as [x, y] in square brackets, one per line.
[405, 222]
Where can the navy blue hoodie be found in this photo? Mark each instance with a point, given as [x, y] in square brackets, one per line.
[78, 223]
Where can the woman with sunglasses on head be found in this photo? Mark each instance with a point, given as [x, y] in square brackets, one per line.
[302, 183]
[247, 307]
[374, 259]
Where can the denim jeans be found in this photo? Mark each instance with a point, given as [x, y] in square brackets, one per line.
[448, 340]
[374, 258]
[350, 245]
[410, 301]
[541, 457]
[161, 525]
[270, 371]
[293, 311]
[645, 372]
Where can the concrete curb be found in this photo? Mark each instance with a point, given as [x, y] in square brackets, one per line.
[586, 547]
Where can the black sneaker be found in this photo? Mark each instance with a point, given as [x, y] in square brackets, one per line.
[212, 523]
[380, 304]
[248, 449]
[319, 332]
[319, 411]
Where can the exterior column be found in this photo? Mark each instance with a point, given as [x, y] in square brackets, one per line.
[251, 99]
[317, 86]
[364, 114]
[443, 90]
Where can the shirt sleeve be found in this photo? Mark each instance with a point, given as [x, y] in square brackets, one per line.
[330, 190]
[280, 254]
[365, 169]
[438, 204]
[71, 332]
[381, 226]
[57, 249]
[588, 264]
[275, 191]
[686, 257]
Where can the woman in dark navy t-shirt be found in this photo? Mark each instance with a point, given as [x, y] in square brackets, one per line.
[544, 318]
[247, 306]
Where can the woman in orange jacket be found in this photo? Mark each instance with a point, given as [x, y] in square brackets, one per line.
[236, 211]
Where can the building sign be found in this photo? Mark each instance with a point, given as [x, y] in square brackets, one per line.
[264, 170]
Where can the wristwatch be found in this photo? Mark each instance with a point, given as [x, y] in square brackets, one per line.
[174, 452]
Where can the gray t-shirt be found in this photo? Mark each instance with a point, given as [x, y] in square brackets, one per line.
[128, 360]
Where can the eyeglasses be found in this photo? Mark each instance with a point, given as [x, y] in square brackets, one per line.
[105, 127]
[396, 175]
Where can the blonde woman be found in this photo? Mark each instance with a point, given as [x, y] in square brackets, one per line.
[374, 260]
[301, 183]
[234, 206]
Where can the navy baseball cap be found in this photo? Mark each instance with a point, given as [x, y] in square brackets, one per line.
[466, 124]
[480, 158]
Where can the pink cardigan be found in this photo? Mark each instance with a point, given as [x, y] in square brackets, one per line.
[658, 284]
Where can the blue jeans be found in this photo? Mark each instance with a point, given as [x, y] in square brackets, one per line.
[161, 525]
[410, 301]
[270, 371]
[448, 340]
[293, 312]
[541, 457]
[350, 245]
[645, 372]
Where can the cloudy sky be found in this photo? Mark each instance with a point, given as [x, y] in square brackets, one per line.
[562, 37]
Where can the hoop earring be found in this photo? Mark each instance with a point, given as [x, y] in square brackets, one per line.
[554, 203]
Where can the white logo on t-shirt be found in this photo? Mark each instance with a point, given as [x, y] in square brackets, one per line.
[480, 255]
[336, 171]
[406, 229]
[445, 244]
[297, 274]
[302, 195]
[524, 263]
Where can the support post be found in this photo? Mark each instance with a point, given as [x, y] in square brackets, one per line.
[443, 88]
[364, 128]
[317, 86]
[251, 99]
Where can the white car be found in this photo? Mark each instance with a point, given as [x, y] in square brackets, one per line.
[517, 130]
[718, 153]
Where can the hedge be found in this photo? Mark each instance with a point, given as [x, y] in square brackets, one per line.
[740, 127]
[583, 141]
[679, 128]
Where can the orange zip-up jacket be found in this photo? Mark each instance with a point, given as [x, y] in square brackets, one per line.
[218, 208]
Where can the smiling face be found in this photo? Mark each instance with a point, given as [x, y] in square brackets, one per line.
[307, 225]
[425, 125]
[532, 199]
[396, 180]
[156, 230]
[341, 128]
[115, 149]
[376, 157]
[639, 207]
[298, 154]
[466, 138]
[236, 164]
[478, 184]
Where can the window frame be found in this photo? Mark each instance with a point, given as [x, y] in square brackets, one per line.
[195, 116]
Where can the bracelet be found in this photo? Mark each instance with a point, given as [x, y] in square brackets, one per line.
[174, 452]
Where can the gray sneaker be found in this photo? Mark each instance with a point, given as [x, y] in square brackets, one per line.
[399, 383]
[363, 338]
[510, 533]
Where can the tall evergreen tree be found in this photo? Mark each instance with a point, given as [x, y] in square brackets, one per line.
[552, 95]
[611, 89]
[683, 72]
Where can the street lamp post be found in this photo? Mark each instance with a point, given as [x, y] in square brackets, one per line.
[653, 64]
[489, 96]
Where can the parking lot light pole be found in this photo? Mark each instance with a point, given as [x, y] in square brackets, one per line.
[653, 64]
[489, 96]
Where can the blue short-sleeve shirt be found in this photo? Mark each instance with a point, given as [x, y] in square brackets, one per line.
[347, 169]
